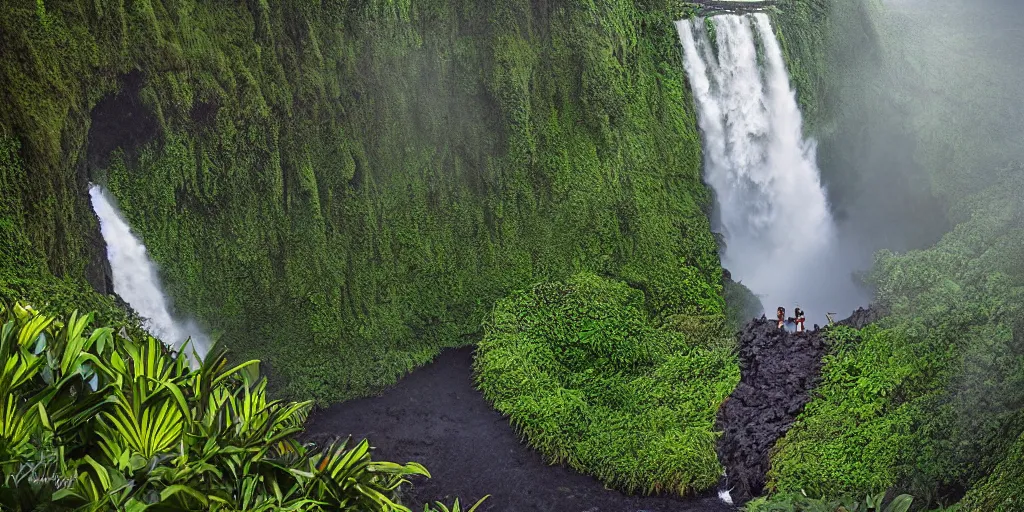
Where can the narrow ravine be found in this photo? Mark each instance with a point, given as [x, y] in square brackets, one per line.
[778, 370]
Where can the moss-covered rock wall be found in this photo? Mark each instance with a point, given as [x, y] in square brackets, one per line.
[342, 188]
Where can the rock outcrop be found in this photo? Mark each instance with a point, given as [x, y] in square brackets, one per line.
[778, 371]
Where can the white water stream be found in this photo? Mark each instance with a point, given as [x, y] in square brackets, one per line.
[780, 237]
[136, 280]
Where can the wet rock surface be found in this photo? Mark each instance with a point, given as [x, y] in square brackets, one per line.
[779, 369]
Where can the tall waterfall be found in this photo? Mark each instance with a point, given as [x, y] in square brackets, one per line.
[136, 280]
[780, 238]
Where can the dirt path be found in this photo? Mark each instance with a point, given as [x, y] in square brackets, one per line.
[435, 417]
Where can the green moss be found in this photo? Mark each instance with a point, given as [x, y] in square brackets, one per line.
[585, 377]
[806, 30]
[1003, 490]
[344, 189]
[23, 267]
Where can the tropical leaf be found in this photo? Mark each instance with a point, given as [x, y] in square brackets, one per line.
[108, 420]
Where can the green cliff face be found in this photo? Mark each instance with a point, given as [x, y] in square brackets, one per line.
[344, 188]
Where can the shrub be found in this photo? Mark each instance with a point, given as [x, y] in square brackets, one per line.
[103, 420]
[587, 380]
[798, 502]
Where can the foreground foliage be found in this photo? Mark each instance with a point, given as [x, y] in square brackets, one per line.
[798, 502]
[456, 506]
[98, 419]
[587, 379]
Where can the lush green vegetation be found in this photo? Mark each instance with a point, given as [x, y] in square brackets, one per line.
[805, 30]
[112, 419]
[929, 399]
[1003, 489]
[456, 506]
[798, 502]
[344, 188]
[24, 269]
[587, 377]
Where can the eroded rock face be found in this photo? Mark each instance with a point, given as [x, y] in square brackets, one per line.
[778, 371]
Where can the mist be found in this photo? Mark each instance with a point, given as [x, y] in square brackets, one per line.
[928, 106]
[780, 237]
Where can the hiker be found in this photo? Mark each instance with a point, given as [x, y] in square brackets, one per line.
[798, 319]
[782, 317]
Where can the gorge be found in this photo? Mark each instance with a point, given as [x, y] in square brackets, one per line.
[520, 242]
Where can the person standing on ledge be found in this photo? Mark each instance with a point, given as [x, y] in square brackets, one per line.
[798, 319]
[782, 317]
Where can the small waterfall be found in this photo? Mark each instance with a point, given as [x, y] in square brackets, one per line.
[136, 279]
[725, 496]
[780, 238]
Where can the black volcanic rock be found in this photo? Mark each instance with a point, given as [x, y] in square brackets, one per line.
[864, 317]
[778, 371]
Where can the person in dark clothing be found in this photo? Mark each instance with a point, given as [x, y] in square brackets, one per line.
[782, 317]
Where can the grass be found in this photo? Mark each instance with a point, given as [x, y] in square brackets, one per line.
[588, 380]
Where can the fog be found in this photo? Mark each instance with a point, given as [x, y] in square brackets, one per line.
[930, 103]
[780, 237]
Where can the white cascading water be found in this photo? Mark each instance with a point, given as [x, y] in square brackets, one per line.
[780, 238]
[136, 280]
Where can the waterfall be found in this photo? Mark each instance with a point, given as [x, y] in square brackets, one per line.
[136, 280]
[780, 238]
